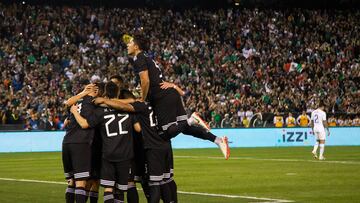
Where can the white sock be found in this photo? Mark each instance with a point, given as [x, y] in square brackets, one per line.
[322, 148]
[315, 147]
[218, 140]
[190, 121]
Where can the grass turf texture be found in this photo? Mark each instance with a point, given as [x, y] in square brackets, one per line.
[287, 173]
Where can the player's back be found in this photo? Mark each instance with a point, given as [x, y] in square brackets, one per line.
[74, 133]
[116, 133]
[149, 130]
[318, 117]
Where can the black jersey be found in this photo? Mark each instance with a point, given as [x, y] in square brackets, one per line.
[116, 128]
[146, 117]
[74, 132]
[143, 62]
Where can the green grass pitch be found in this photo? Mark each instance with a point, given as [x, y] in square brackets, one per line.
[285, 174]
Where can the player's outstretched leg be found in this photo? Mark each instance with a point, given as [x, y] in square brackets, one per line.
[201, 133]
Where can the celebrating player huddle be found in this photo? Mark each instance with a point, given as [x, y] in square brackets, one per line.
[114, 139]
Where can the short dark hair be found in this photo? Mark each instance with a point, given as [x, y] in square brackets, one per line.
[111, 90]
[101, 87]
[117, 77]
[126, 94]
[142, 42]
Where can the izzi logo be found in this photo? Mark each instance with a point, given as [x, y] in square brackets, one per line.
[294, 135]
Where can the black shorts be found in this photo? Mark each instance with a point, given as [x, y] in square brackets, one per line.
[169, 109]
[157, 164]
[115, 174]
[76, 160]
[96, 159]
[138, 163]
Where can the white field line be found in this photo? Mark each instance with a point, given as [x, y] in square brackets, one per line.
[281, 160]
[181, 192]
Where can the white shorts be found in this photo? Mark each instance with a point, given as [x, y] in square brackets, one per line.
[320, 135]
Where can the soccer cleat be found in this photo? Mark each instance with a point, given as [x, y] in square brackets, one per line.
[321, 158]
[314, 155]
[224, 147]
[199, 121]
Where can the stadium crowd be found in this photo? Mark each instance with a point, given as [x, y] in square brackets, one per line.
[232, 64]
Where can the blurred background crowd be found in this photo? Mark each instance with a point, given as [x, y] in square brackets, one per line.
[238, 67]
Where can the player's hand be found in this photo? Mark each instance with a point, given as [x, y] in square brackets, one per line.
[167, 85]
[88, 88]
[139, 99]
[73, 108]
[99, 100]
[66, 122]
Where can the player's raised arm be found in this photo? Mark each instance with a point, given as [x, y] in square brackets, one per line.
[72, 100]
[115, 103]
[79, 119]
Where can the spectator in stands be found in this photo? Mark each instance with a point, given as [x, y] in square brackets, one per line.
[228, 62]
[332, 121]
[225, 122]
[303, 120]
[34, 122]
[356, 121]
[246, 122]
[290, 121]
[278, 120]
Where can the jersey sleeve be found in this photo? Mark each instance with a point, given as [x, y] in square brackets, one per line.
[324, 116]
[140, 64]
[312, 116]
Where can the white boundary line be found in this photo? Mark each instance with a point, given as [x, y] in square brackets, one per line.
[181, 192]
[262, 159]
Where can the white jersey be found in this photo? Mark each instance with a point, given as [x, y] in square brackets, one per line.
[317, 117]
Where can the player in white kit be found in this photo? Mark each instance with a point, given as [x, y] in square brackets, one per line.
[318, 125]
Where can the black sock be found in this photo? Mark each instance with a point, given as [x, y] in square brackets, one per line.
[87, 195]
[108, 197]
[155, 192]
[198, 132]
[94, 196]
[80, 195]
[173, 189]
[70, 194]
[146, 189]
[119, 195]
[132, 195]
[165, 192]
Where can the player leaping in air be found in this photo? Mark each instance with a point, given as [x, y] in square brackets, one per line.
[167, 103]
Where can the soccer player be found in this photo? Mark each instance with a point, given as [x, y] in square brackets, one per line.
[76, 148]
[303, 120]
[167, 103]
[290, 121]
[318, 124]
[157, 149]
[92, 185]
[117, 149]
